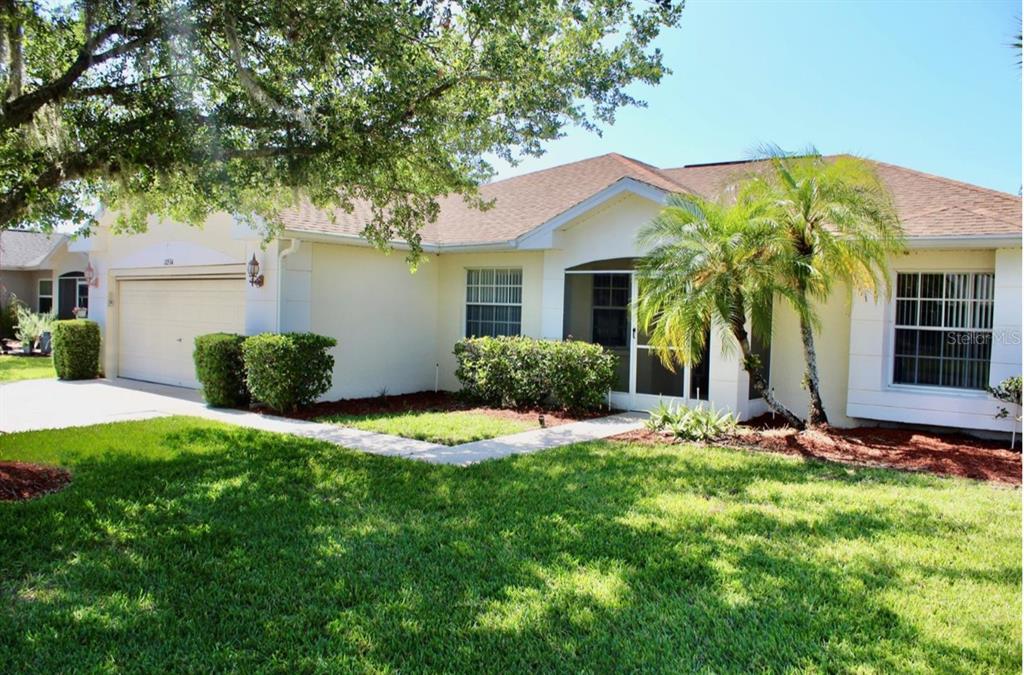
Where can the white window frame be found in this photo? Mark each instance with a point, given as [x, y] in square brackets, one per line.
[78, 288]
[40, 295]
[467, 302]
[894, 325]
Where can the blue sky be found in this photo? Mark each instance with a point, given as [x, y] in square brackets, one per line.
[929, 85]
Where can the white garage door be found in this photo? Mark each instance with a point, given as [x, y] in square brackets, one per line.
[158, 321]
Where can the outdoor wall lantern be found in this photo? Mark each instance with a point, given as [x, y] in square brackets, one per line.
[253, 270]
[90, 276]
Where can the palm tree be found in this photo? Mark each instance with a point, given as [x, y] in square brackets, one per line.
[840, 226]
[709, 264]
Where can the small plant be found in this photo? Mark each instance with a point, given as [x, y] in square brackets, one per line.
[288, 370]
[662, 417]
[219, 368]
[31, 326]
[1008, 391]
[692, 424]
[76, 349]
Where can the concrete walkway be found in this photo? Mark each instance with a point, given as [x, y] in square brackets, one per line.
[51, 404]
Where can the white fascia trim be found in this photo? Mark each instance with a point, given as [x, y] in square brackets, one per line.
[540, 236]
[356, 240]
[980, 241]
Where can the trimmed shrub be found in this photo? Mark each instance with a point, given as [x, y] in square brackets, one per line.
[580, 374]
[520, 372]
[503, 371]
[219, 368]
[76, 349]
[287, 370]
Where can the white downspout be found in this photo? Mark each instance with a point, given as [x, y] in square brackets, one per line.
[292, 248]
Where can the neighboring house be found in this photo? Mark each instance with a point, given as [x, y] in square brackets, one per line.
[554, 258]
[40, 271]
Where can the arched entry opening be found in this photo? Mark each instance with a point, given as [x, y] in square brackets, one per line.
[599, 307]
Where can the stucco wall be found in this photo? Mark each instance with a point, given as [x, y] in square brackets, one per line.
[174, 249]
[832, 344]
[21, 283]
[383, 316]
[872, 394]
[451, 299]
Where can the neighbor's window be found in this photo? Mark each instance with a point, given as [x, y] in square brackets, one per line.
[943, 329]
[494, 302]
[82, 294]
[45, 296]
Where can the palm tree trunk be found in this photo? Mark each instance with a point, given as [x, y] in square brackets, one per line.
[816, 416]
[742, 339]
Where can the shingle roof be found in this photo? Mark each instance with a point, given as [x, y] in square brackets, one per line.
[520, 204]
[929, 206]
[24, 250]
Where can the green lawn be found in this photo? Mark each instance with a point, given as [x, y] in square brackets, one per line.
[26, 368]
[448, 428]
[185, 545]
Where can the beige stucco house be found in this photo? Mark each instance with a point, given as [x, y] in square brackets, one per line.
[554, 257]
[40, 271]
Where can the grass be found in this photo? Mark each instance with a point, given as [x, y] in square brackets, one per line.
[447, 428]
[185, 545]
[13, 368]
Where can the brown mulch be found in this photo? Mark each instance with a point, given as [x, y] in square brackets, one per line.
[21, 481]
[904, 449]
[430, 401]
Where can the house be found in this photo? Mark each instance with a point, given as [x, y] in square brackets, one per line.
[40, 271]
[554, 258]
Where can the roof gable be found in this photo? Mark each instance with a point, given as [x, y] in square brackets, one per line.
[21, 249]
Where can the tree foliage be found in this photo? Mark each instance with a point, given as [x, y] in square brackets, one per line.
[839, 225]
[710, 264]
[183, 108]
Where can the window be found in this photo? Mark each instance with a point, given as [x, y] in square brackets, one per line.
[82, 294]
[45, 296]
[611, 310]
[494, 302]
[943, 329]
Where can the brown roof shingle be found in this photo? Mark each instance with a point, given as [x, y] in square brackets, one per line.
[929, 206]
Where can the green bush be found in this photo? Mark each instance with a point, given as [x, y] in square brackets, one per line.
[219, 368]
[76, 349]
[581, 374]
[9, 315]
[287, 370]
[520, 372]
[505, 371]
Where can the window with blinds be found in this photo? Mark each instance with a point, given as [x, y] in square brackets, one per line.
[943, 329]
[494, 302]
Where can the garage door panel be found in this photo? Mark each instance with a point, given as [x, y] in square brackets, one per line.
[158, 321]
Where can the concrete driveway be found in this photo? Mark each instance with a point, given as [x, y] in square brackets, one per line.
[52, 404]
[32, 405]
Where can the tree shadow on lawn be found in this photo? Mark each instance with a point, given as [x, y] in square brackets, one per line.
[249, 550]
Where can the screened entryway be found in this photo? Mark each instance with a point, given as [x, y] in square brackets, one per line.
[598, 308]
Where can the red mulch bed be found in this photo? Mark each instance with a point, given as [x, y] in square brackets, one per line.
[904, 449]
[430, 401]
[20, 481]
